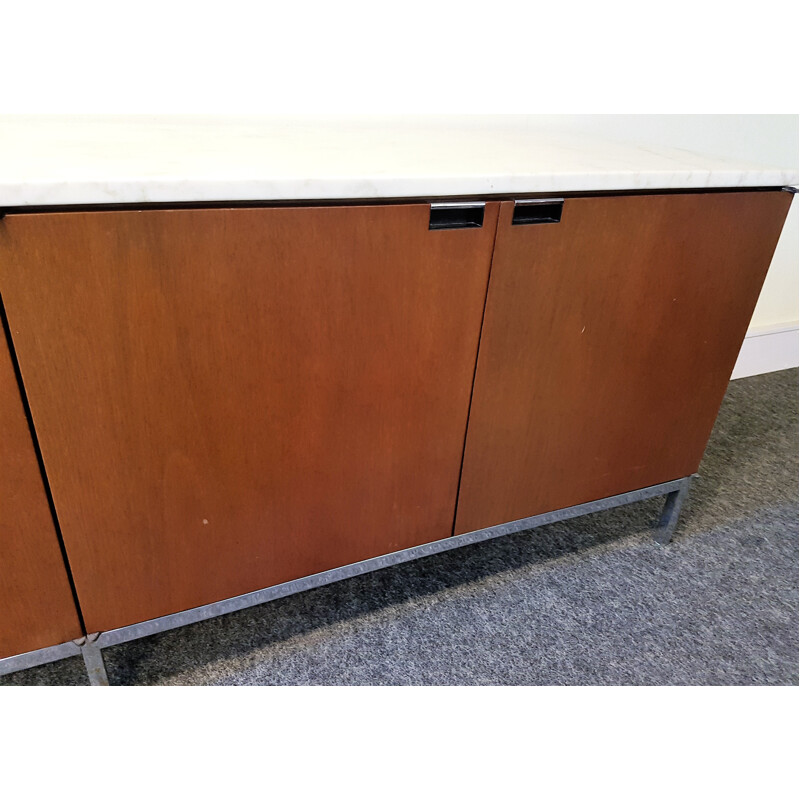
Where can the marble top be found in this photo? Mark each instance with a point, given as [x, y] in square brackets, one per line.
[105, 159]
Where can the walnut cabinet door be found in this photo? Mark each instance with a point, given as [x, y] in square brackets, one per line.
[36, 602]
[227, 399]
[612, 326]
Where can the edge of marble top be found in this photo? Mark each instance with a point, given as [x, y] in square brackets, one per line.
[147, 191]
[63, 161]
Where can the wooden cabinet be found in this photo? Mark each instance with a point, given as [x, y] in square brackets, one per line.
[607, 345]
[36, 604]
[231, 398]
[227, 399]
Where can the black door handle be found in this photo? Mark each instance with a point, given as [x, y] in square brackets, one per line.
[536, 212]
[456, 215]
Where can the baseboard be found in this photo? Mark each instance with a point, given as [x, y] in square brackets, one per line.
[768, 349]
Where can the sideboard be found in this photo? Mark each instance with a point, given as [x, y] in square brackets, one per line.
[216, 391]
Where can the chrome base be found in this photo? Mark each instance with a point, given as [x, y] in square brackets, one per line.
[671, 513]
[91, 646]
[93, 660]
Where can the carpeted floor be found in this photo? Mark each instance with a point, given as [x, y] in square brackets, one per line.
[589, 601]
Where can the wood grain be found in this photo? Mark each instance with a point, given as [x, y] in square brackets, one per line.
[36, 604]
[607, 346]
[227, 399]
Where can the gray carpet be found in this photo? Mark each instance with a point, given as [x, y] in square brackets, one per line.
[589, 601]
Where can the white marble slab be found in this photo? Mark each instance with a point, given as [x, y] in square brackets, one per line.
[77, 160]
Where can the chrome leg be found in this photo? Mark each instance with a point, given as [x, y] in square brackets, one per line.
[671, 513]
[93, 659]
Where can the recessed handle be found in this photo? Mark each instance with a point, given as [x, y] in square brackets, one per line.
[456, 215]
[537, 212]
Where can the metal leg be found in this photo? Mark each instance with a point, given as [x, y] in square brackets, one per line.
[671, 513]
[93, 659]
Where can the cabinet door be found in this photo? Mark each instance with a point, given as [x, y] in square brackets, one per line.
[608, 342]
[227, 399]
[36, 604]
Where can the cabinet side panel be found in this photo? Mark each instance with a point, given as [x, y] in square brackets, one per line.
[36, 603]
[228, 399]
[607, 346]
